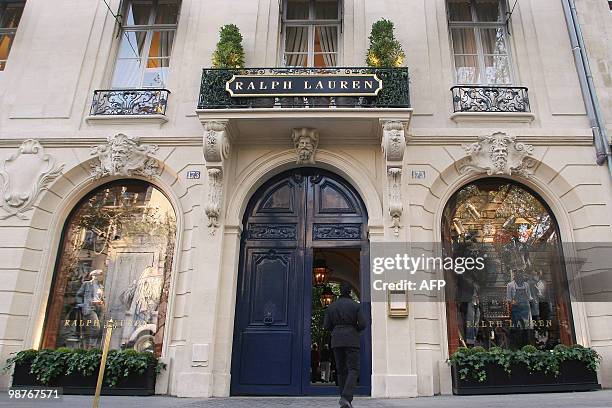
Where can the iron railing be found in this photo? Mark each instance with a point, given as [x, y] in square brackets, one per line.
[394, 92]
[147, 101]
[490, 99]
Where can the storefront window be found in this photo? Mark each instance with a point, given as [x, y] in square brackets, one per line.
[115, 262]
[521, 295]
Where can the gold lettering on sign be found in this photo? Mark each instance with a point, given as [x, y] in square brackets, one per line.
[319, 85]
[287, 84]
[275, 84]
[356, 85]
[307, 85]
[331, 84]
[369, 85]
[251, 86]
[262, 85]
[343, 84]
[238, 85]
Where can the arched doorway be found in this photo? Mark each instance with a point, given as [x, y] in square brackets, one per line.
[520, 294]
[115, 261]
[296, 218]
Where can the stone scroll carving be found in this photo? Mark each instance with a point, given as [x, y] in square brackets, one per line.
[393, 147]
[215, 190]
[23, 176]
[124, 156]
[306, 141]
[499, 153]
[396, 206]
[217, 148]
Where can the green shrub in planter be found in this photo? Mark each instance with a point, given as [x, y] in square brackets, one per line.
[385, 50]
[471, 363]
[48, 365]
[229, 52]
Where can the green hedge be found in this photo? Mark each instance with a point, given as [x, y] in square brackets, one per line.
[48, 365]
[471, 362]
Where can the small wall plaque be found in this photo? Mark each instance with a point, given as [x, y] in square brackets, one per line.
[397, 303]
[418, 174]
[193, 175]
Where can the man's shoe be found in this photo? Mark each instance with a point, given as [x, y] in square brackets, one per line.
[344, 403]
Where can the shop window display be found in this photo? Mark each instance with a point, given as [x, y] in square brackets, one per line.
[115, 262]
[521, 296]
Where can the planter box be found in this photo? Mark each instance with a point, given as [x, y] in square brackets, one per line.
[574, 376]
[136, 384]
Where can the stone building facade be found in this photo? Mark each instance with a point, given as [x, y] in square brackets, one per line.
[167, 146]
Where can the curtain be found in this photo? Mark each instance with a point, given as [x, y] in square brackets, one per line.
[466, 55]
[328, 36]
[296, 46]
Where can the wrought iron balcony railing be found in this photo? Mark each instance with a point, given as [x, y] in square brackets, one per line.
[490, 99]
[394, 92]
[146, 101]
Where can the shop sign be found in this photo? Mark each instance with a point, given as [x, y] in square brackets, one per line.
[244, 86]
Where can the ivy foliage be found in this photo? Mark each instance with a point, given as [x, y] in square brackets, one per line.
[48, 365]
[471, 363]
[385, 50]
[229, 52]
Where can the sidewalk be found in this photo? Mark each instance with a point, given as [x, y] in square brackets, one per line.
[596, 399]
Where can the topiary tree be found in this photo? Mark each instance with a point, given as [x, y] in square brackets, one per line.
[229, 52]
[385, 50]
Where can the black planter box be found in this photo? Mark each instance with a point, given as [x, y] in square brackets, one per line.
[574, 376]
[76, 384]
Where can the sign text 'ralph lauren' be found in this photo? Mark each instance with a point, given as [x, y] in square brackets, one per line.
[303, 85]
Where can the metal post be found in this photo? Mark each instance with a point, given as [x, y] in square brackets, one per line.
[107, 339]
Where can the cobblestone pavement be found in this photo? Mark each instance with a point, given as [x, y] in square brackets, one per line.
[597, 399]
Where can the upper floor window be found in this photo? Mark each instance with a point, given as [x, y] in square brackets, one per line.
[10, 14]
[479, 42]
[147, 36]
[311, 33]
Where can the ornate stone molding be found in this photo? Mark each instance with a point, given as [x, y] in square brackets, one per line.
[306, 141]
[394, 139]
[216, 141]
[396, 206]
[499, 153]
[217, 149]
[24, 175]
[393, 146]
[215, 190]
[124, 156]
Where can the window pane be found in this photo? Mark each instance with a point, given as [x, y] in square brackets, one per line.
[138, 12]
[493, 41]
[127, 73]
[326, 39]
[460, 10]
[6, 40]
[464, 41]
[115, 262]
[132, 44]
[497, 70]
[10, 14]
[325, 60]
[296, 60]
[296, 39]
[466, 68]
[521, 296]
[167, 12]
[488, 10]
[326, 9]
[156, 73]
[298, 10]
[161, 44]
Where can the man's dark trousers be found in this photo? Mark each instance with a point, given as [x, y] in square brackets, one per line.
[347, 366]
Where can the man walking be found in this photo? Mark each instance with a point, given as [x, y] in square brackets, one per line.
[345, 319]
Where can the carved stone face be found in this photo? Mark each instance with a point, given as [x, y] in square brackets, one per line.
[119, 155]
[305, 148]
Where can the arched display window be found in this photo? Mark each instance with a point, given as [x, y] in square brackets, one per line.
[114, 261]
[520, 295]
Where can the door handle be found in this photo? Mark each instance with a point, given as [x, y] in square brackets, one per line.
[268, 319]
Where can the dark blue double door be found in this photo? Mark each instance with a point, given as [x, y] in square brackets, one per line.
[288, 218]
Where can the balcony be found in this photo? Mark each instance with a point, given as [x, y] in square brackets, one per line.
[491, 104]
[119, 105]
[346, 102]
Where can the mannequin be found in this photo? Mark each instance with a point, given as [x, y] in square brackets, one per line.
[90, 299]
[518, 295]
